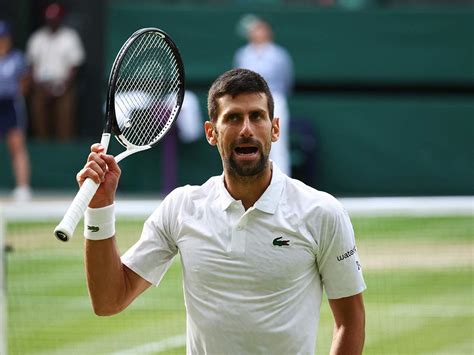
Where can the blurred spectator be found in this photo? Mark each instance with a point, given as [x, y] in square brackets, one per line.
[189, 128]
[13, 83]
[190, 122]
[54, 53]
[274, 63]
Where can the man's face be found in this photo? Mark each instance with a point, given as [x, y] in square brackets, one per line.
[260, 32]
[243, 133]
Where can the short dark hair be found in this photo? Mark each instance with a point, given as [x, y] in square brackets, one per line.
[235, 82]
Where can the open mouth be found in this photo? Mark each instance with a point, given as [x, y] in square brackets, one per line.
[245, 150]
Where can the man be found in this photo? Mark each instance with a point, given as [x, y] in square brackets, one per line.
[13, 86]
[188, 129]
[55, 53]
[274, 63]
[256, 246]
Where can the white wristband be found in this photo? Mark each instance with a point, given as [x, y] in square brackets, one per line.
[99, 223]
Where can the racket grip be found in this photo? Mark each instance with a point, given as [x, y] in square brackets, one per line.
[65, 229]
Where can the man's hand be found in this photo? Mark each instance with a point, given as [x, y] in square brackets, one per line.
[103, 169]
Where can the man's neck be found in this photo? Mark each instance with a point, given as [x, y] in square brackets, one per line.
[53, 29]
[260, 45]
[248, 189]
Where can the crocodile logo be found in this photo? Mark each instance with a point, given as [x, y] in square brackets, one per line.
[279, 242]
[93, 229]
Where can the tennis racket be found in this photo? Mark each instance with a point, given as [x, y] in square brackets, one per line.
[144, 96]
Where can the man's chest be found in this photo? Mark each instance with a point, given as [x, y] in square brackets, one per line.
[253, 251]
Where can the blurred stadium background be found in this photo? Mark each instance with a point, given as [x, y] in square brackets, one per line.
[384, 103]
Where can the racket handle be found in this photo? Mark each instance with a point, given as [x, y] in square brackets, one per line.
[65, 229]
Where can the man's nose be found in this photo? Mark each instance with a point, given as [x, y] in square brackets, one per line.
[246, 130]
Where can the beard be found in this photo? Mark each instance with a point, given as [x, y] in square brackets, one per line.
[248, 169]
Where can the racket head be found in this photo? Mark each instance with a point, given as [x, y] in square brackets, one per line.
[146, 89]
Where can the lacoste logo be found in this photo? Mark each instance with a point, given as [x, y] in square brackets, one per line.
[93, 229]
[280, 243]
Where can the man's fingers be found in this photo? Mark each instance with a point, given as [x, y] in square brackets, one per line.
[89, 173]
[98, 166]
[94, 170]
[97, 148]
[97, 155]
[98, 159]
[111, 163]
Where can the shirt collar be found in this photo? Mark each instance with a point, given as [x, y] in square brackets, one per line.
[268, 202]
[225, 199]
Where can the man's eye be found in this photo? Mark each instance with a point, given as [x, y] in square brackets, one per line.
[256, 116]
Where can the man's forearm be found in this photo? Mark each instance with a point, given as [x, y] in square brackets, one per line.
[348, 341]
[105, 278]
[349, 325]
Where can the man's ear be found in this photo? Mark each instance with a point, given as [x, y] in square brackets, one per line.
[210, 133]
[275, 129]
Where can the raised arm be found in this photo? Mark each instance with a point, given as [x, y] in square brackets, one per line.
[112, 286]
[349, 325]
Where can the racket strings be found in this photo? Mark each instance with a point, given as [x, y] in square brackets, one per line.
[145, 117]
[146, 99]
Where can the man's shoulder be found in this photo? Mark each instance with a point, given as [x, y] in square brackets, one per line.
[38, 35]
[300, 193]
[241, 53]
[69, 31]
[67, 35]
[195, 192]
[276, 48]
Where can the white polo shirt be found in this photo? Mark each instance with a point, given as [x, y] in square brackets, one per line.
[54, 54]
[253, 279]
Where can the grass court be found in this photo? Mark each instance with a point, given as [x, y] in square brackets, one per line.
[419, 272]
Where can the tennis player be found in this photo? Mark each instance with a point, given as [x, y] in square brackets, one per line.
[257, 247]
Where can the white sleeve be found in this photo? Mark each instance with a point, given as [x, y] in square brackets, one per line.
[153, 254]
[75, 51]
[338, 259]
[31, 49]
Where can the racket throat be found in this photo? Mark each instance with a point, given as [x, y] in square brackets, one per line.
[130, 151]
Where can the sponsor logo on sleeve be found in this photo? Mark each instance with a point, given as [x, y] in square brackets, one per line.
[347, 254]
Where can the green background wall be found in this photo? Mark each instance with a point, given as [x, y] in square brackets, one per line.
[388, 95]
